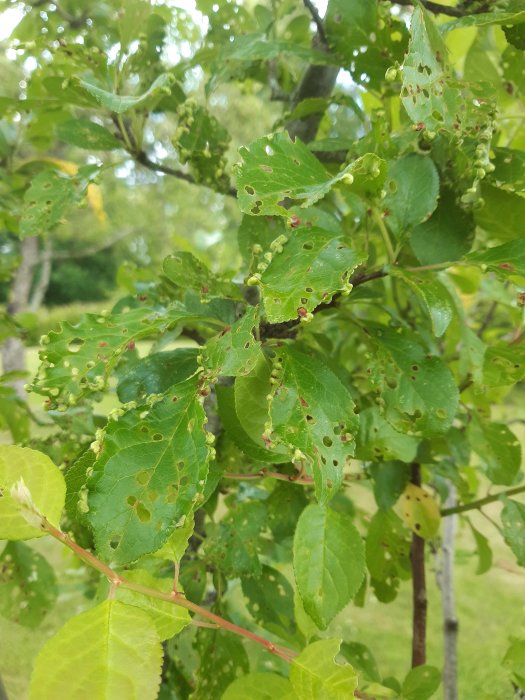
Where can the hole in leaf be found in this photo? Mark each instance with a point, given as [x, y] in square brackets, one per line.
[249, 190]
[75, 344]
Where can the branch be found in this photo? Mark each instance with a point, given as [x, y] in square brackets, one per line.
[436, 8]
[144, 160]
[291, 478]
[476, 505]
[176, 598]
[419, 589]
[312, 9]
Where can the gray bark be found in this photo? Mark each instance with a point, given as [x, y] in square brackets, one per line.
[39, 292]
[13, 350]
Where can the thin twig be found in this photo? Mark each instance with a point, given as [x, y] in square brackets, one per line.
[436, 8]
[312, 9]
[477, 505]
[303, 480]
[487, 320]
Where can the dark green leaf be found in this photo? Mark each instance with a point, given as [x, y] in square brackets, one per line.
[284, 506]
[483, 551]
[507, 259]
[498, 449]
[186, 271]
[234, 351]
[412, 186]
[155, 373]
[329, 562]
[434, 297]
[502, 214]
[387, 553]
[504, 365]
[390, 479]
[84, 133]
[222, 659]
[361, 659]
[421, 683]
[269, 599]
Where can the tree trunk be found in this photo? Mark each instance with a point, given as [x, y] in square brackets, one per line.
[13, 350]
[419, 590]
[446, 583]
[39, 292]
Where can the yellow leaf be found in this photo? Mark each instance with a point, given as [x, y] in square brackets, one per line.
[419, 510]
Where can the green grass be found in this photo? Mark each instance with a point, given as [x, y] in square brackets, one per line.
[489, 607]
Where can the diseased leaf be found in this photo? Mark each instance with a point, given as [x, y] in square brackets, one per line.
[504, 365]
[306, 271]
[269, 599]
[28, 588]
[412, 186]
[315, 674]
[84, 133]
[155, 373]
[419, 510]
[150, 473]
[222, 660]
[329, 562]
[117, 653]
[313, 412]
[46, 486]
[234, 351]
[513, 520]
[188, 272]
[507, 259]
[275, 168]
[46, 201]
[378, 441]
[498, 449]
[387, 553]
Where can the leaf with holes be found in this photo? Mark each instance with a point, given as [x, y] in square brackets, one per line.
[150, 473]
[119, 104]
[275, 168]
[377, 440]
[513, 521]
[312, 266]
[419, 510]
[232, 545]
[313, 412]
[46, 486]
[188, 272]
[222, 660]
[110, 651]
[78, 359]
[504, 365]
[315, 674]
[269, 599]
[46, 201]
[432, 98]
[509, 169]
[412, 186]
[498, 449]
[329, 562]
[387, 553]
[361, 659]
[419, 390]
[28, 588]
[169, 619]
[234, 351]
[433, 295]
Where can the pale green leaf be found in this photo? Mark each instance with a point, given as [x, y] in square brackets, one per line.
[169, 619]
[177, 543]
[421, 683]
[188, 272]
[28, 588]
[46, 201]
[316, 676]
[151, 472]
[504, 365]
[377, 440]
[122, 103]
[483, 550]
[112, 651]
[259, 686]
[84, 133]
[497, 447]
[329, 562]
[313, 412]
[46, 486]
[419, 510]
[313, 265]
[513, 521]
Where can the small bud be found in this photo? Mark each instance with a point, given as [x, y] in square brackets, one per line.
[348, 179]
[22, 495]
[253, 281]
[391, 74]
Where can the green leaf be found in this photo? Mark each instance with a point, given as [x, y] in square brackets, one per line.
[498, 449]
[232, 425]
[446, 236]
[234, 351]
[284, 506]
[483, 551]
[313, 266]
[412, 187]
[419, 390]
[222, 660]
[275, 168]
[108, 652]
[155, 373]
[84, 133]
[484, 19]
[313, 412]
[232, 545]
[502, 214]
[76, 478]
[329, 562]
[123, 103]
[259, 686]
[315, 674]
[169, 619]
[507, 259]
[430, 95]
[361, 659]
[186, 271]
[28, 588]
[419, 510]
[78, 359]
[434, 297]
[504, 365]
[390, 479]
[387, 552]
[509, 167]
[377, 440]
[46, 201]
[151, 472]
[269, 599]
[46, 486]
[513, 520]
[177, 543]
[421, 682]
[514, 660]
